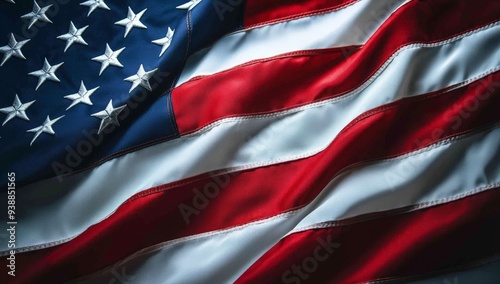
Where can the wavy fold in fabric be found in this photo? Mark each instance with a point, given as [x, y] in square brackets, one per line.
[250, 141]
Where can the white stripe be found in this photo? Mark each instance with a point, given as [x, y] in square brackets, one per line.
[351, 25]
[453, 169]
[417, 178]
[87, 198]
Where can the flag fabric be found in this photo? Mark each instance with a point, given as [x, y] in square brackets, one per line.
[232, 141]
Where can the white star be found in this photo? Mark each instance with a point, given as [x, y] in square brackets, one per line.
[12, 49]
[165, 42]
[10, 1]
[109, 116]
[83, 96]
[109, 57]
[132, 21]
[94, 4]
[46, 73]
[189, 5]
[74, 35]
[46, 127]
[38, 14]
[17, 109]
[141, 79]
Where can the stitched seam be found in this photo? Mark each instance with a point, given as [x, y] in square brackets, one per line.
[165, 187]
[210, 126]
[311, 153]
[304, 155]
[447, 89]
[420, 151]
[196, 237]
[250, 28]
[301, 53]
[115, 155]
[323, 11]
[162, 139]
[397, 104]
[318, 51]
[316, 12]
[402, 210]
[203, 76]
[206, 235]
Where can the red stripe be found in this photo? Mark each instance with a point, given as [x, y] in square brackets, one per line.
[305, 77]
[259, 12]
[154, 216]
[441, 237]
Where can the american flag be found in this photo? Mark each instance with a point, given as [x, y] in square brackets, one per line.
[250, 141]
